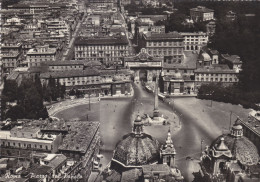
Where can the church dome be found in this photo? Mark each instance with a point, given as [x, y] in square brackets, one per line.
[136, 148]
[242, 149]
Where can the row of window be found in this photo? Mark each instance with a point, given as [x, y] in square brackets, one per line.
[165, 52]
[216, 79]
[100, 47]
[9, 65]
[24, 145]
[65, 67]
[41, 55]
[40, 60]
[196, 40]
[101, 55]
[215, 74]
[149, 44]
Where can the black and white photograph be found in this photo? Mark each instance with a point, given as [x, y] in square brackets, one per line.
[129, 90]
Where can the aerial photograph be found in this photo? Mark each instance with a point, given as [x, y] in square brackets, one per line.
[130, 91]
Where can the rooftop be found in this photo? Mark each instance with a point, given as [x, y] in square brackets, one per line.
[117, 40]
[80, 136]
[156, 168]
[162, 36]
[7, 136]
[70, 73]
[253, 121]
[202, 9]
[57, 160]
[58, 63]
[216, 69]
[232, 58]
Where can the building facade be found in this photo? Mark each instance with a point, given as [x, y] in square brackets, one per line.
[107, 50]
[22, 141]
[10, 61]
[194, 41]
[40, 54]
[169, 45]
[201, 13]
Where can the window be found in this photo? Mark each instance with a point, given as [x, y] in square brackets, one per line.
[40, 146]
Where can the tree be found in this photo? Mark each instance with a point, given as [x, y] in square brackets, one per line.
[10, 90]
[15, 112]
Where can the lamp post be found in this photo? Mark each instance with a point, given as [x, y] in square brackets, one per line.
[201, 144]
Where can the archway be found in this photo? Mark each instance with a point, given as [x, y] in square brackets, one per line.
[143, 75]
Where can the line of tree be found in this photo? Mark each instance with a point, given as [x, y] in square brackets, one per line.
[229, 94]
[26, 100]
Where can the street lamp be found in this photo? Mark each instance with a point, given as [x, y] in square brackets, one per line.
[201, 144]
[180, 120]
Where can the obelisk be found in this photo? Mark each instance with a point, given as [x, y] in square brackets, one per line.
[156, 109]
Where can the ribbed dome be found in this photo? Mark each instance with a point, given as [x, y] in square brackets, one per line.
[136, 150]
[241, 148]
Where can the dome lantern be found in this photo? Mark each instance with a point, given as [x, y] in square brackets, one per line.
[237, 130]
[138, 126]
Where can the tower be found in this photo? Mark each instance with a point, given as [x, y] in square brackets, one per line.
[168, 151]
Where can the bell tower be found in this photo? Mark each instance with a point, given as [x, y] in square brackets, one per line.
[168, 151]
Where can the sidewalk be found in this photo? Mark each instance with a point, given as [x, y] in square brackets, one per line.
[57, 107]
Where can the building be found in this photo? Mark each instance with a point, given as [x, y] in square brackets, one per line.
[54, 66]
[22, 141]
[140, 157]
[10, 61]
[11, 47]
[169, 45]
[215, 74]
[101, 4]
[201, 13]
[83, 148]
[194, 41]
[233, 61]
[231, 157]
[211, 70]
[36, 56]
[176, 83]
[107, 50]
[91, 81]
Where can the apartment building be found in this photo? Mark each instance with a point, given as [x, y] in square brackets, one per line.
[36, 56]
[194, 41]
[215, 74]
[169, 45]
[10, 61]
[201, 13]
[22, 141]
[107, 50]
[11, 47]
